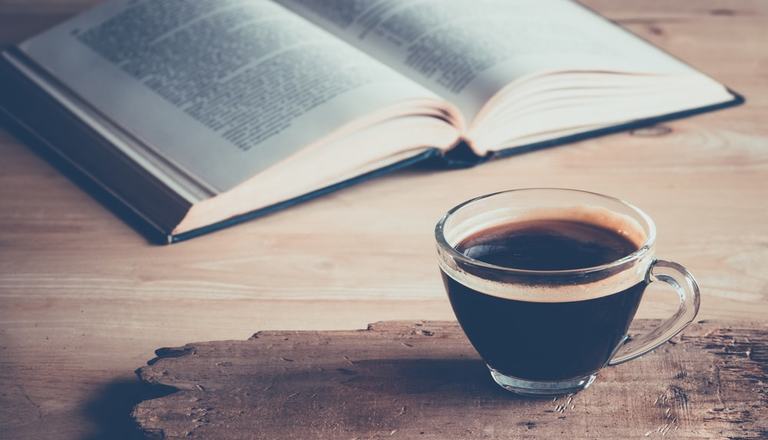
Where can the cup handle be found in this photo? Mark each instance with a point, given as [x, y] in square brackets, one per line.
[687, 290]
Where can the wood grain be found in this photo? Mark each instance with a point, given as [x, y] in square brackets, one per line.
[405, 380]
[84, 299]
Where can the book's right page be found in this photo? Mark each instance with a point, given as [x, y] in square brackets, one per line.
[520, 70]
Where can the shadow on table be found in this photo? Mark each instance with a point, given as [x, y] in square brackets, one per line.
[448, 382]
[453, 378]
[110, 408]
[381, 389]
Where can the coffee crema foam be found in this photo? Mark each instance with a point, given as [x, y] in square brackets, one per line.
[550, 286]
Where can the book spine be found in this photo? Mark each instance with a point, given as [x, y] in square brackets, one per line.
[458, 157]
[76, 150]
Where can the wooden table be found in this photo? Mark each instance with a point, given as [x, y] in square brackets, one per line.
[84, 299]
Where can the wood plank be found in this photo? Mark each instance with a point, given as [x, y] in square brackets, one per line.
[423, 380]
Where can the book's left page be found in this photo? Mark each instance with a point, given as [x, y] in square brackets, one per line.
[218, 90]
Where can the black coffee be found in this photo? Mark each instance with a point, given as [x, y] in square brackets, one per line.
[545, 340]
[547, 245]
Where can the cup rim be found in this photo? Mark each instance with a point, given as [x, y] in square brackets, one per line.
[641, 252]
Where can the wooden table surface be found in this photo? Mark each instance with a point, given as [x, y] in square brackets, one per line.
[84, 299]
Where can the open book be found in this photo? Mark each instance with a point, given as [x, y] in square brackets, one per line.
[199, 114]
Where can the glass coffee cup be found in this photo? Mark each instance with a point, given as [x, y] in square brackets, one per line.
[545, 283]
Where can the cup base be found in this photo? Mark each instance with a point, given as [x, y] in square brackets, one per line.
[541, 388]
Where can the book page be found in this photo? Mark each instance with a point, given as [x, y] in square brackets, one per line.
[467, 51]
[217, 89]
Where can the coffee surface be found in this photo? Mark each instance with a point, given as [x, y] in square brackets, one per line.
[547, 244]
